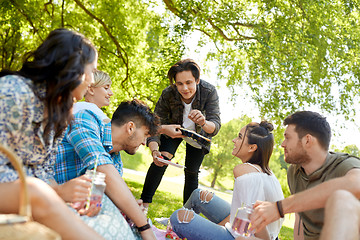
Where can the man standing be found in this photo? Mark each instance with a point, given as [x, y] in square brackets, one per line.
[314, 175]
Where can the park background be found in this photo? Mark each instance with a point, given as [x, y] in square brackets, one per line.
[267, 59]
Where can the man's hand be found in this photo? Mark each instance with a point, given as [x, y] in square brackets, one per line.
[75, 190]
[197, 117]
[171, 130]
[156, 154]
[264, 213]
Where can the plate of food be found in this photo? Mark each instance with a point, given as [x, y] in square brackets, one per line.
[170, 162]
[203, 141]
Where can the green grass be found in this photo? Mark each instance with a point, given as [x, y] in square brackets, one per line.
[168, 198]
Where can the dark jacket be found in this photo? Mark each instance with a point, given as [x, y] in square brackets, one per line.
[170, 108]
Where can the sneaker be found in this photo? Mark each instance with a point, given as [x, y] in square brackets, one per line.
[162, 221]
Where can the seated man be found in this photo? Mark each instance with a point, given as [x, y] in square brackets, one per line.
[91, 139]
[313, 176]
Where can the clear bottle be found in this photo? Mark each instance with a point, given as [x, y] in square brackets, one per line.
[241, 222]
[98, 186]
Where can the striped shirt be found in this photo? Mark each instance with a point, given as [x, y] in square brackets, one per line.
[88, 138]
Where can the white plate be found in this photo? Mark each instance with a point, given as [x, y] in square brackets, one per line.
[170, 163]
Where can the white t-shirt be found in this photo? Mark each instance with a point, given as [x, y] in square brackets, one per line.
[188, 124]
[249, 188]
[92, 107]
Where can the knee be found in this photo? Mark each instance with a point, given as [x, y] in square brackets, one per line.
[205, 196]
[43, 198]
[344, 200]
[184, 215]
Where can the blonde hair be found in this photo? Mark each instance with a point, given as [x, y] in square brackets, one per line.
[101, 79]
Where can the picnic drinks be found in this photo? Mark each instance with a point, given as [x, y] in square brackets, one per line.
[241, 223]
[98, 186]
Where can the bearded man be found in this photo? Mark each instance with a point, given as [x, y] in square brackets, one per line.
[313, 176]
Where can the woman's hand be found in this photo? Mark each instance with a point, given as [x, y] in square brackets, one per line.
[75, 190]
[93, 210]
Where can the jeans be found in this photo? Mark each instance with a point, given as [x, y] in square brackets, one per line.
[193, 160]
[198, 227]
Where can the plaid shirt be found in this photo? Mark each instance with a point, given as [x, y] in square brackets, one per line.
[87, 138]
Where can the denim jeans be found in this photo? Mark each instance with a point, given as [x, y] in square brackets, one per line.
[193, 160]
[198, 227]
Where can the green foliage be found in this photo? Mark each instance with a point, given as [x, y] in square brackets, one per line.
[350, 149]
[136, 45]
[292, 54]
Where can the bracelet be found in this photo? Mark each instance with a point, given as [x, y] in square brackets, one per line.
[203, 124]
[152, 152]
[280, 209]
[143, 228]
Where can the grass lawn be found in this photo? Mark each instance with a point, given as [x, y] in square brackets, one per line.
[168, 198]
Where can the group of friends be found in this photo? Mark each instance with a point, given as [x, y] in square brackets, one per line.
[59, 139]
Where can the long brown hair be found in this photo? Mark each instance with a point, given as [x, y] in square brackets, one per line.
[260, 134]
[58, 63]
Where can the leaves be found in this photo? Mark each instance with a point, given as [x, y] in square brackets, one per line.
[136, 45]
[292, 54]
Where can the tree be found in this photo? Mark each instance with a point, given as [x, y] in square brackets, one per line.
[136, 45]
[292, 54]
[220, 161]
[350, 149]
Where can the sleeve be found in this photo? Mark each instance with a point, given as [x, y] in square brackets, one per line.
[212, 111]
[85, 137]
[248, 189]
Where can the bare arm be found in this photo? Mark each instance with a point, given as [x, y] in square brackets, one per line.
[120, 194]
[266, 212]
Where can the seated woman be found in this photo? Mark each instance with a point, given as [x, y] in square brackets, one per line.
[97, 96]
[35, 109]
[253, 181]
[93, 138]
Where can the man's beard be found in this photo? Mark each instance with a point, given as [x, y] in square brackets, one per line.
[128, 148]
[298, 157]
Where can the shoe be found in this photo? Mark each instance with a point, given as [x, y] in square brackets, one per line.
[162, 221]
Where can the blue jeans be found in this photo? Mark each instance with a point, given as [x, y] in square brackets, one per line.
[198, 227]
[193, 160]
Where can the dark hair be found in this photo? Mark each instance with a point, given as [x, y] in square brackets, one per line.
[184, 65]
[57, 64]
[139, 113]
[260, 134]
[307, 122]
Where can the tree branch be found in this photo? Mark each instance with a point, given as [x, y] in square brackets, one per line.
[170, 5]
[120, 50]
[35, 30]
[219, 30]
[208, 34]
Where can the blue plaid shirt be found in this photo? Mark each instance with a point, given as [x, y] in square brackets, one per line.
[88, 138]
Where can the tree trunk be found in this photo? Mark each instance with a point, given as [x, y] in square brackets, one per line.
[214, 179]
